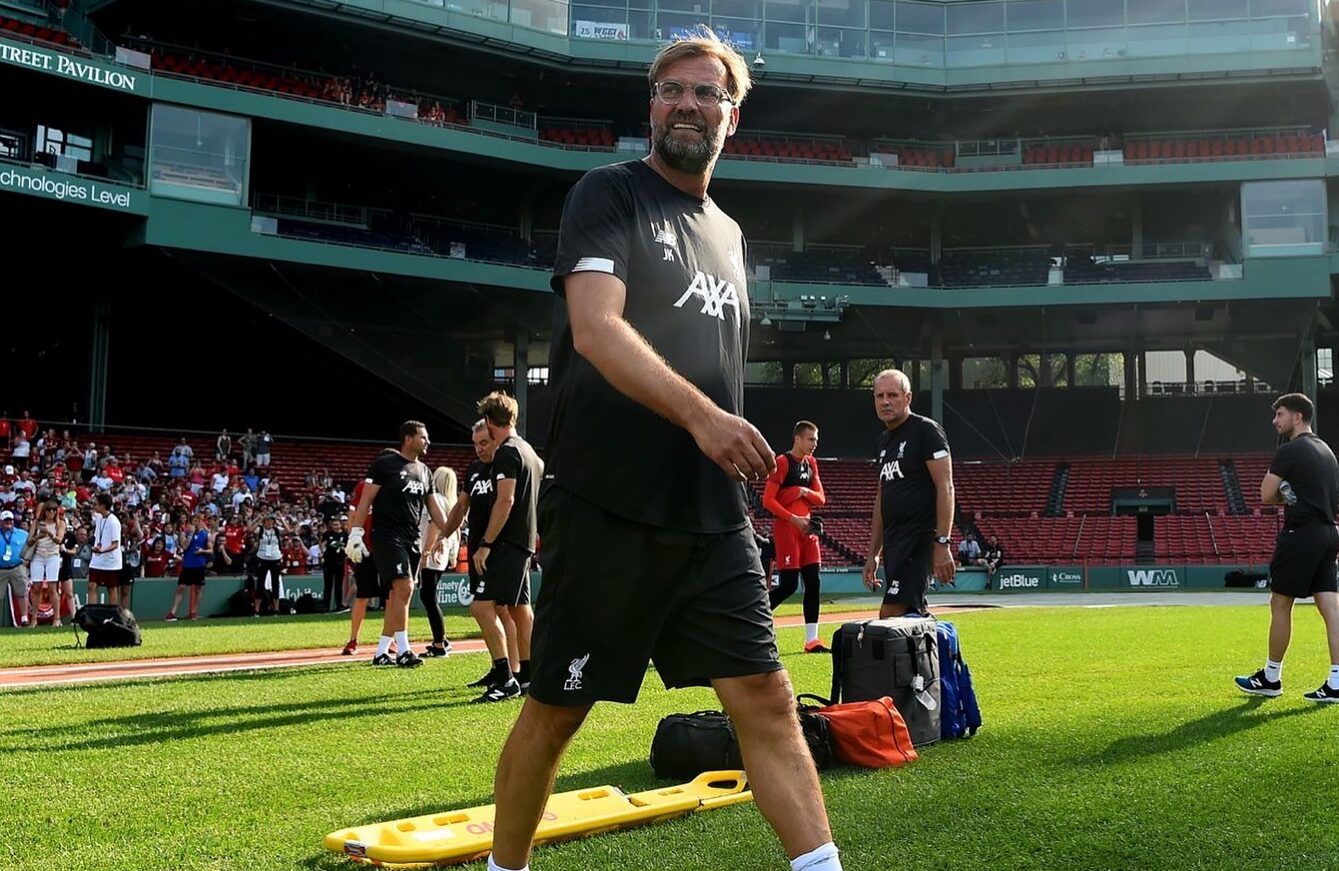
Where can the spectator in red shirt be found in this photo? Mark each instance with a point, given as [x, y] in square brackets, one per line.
[4, 429]
[295, 556]
[28, 426]
[156, 560]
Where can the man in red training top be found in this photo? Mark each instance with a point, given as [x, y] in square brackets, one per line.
[792, 491]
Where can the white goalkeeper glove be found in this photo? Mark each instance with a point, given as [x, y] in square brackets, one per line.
[355, 549]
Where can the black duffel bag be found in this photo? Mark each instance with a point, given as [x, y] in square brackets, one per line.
[686, 745]
[107, 626]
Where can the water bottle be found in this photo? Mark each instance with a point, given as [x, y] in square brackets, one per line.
[1286, 491]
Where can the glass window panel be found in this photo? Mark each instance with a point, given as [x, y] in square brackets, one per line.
[881, 44]
[1214, 10]
[743, 33]
[682, 5]
[1284, 217]
[920, 18]
[842, 13]
[1261, 8]
[1272, 34]
[1155, 40]
[975, 18]
[1154, 11]
[841, 42]
[801, 11]
[1211, 37]
[198, 155]
[641, 24]
[792, 38]
[976, 50]
[549, 15]
[737, 8]
[1035, 15]
[1093, 13]
[672, 24]
[1037, 47]
[918, 51]
[1096, 43]
[586, 12]
[881, 14]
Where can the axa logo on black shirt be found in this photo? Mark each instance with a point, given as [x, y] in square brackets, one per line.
[398, 505]
[907, 492]
[481, 487]
[715, 294]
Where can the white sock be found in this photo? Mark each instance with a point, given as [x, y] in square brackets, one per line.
[1273, 670]
[402, 640]
[810, 632]
[493, 866]
[822, 859]
[1334, 677]
[384, 645]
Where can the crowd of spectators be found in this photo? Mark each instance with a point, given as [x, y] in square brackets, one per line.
[162, 504]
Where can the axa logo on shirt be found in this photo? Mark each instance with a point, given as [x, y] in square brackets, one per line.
[413, 485]
[482, 487]
[891, 471]
[715, 294]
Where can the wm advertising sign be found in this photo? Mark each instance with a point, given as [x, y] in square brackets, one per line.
[1161, 579]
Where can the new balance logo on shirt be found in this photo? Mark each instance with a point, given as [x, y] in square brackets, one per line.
[715, 294]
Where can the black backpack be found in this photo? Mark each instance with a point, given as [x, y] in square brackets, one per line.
[686, 745]
[240, 604]
[307, 604]
[107, 626]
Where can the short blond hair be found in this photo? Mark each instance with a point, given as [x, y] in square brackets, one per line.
[499, 409]
[701, 41]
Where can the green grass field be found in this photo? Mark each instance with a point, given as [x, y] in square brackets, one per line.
[55, 646]
[1113, 739]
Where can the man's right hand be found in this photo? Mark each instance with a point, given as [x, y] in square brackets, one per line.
[871, 575]
[355, 550]
[735, 445]
[800, 523]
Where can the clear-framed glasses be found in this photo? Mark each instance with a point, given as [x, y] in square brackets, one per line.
[671, 93]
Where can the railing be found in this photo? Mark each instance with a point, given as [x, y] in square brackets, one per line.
[296, 207]
[38, 165]
[482, 111]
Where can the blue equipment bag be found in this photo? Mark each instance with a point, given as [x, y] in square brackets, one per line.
[960, 716]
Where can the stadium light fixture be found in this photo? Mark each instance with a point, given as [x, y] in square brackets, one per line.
[758, 62]
[765, 322]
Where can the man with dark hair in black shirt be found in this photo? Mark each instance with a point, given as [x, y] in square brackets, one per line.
[504, 550]
[474, 506]
[648, 552]
[395, 490]
[1304, 478]
[333, 541]
[913, 507]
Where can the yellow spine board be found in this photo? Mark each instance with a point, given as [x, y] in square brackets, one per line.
[454, 837]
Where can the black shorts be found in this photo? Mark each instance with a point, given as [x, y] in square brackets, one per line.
[1304, 561]
[395, 559]
[506, 580]
[367, 581]
[618, 594]
[128, 575]
[908, 562]
[192, 577]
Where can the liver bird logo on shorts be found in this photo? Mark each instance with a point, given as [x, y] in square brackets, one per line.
[574, 669]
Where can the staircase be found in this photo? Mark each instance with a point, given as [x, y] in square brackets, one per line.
[1055, 501]
[1236, 500]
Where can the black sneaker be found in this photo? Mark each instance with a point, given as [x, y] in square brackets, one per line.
[1325, 695]
[408, 659]
[500, 693]
[1256, 685]
[383, 659]
[485, 681]
[432, 651]
[525, 687]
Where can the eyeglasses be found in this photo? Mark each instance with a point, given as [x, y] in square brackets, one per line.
[671, 93]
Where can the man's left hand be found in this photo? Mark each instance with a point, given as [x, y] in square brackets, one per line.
[481, 558]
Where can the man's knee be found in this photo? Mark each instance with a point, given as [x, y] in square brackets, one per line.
[554, 723]
[757, 697]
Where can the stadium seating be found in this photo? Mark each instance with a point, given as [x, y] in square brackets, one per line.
[582, 137]
[748, 145]
[1002, 268]
[13, 27]
[1058, 155]
[826, 266]
[1082, 270]
[1230, 147]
